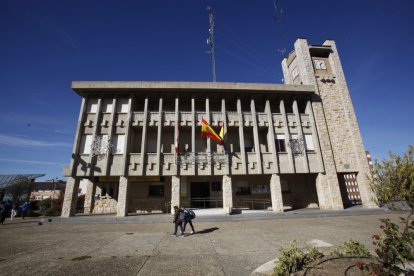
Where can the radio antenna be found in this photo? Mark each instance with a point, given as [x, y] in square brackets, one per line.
[278, 18]
[210, 42]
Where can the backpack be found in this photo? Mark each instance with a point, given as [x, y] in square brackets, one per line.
[189, 214]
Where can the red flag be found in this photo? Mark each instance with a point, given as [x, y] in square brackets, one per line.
[206, 130]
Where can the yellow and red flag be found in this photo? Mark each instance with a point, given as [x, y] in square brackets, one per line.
[206, 130]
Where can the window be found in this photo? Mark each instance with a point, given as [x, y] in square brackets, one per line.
[309, 142]
[122, 106]
[285, 186]
[280, 143]
[216, 186]
[92, 106]
[107, 106]
[104, 144]
[118, 144]
[86, 144]
[242, 188]
[156, 190]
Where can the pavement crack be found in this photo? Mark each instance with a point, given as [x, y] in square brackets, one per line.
[215, 255]
[146, 260]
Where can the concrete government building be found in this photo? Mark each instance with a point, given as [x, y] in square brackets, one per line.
[138, 145]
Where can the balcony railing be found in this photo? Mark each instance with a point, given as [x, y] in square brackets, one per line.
[196, 158]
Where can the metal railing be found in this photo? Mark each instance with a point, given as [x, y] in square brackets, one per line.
[257, 202]
[201, 158]
[207, 200]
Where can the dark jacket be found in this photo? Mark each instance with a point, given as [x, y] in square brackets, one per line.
[178, 216]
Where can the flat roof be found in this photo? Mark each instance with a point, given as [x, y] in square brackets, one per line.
[83, 88]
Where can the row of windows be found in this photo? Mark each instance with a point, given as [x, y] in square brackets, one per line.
[118, 141]
[353, 190]
[122, 106]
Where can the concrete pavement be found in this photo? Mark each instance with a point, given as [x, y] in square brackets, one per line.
[142, 245]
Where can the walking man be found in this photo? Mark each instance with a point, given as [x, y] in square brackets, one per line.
[178, 221]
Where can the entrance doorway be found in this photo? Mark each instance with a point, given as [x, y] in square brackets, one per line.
[200, 194]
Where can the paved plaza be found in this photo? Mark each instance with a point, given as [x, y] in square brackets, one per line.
[142, 245]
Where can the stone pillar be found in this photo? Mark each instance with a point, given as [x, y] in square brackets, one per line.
[175, 192]
[122, 207]
[276, 193]
[227, 195]
[71, 196]
[329, 195]
[89, 197]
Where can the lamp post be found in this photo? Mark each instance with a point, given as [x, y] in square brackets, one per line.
[54, 189]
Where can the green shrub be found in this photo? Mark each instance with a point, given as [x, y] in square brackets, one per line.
[350, 248]
[291, 260]
[314, 254]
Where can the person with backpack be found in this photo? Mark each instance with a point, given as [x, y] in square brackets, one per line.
[189, 215]
[25, 207]
[178, 221]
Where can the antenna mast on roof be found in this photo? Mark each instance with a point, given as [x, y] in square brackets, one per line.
[278, 18]
[210, 41]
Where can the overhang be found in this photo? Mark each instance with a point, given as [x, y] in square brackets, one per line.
[83, 88]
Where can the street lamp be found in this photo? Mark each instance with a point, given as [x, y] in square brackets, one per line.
[54, 189]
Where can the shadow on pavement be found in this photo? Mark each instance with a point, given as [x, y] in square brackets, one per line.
[208, 230]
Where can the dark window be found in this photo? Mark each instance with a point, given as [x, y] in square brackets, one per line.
[216, 186]
[242, 191]
[156, 190]
[280, 145]
[103, 192]
[248, 149]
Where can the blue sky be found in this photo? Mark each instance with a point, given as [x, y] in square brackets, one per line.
[47, 44]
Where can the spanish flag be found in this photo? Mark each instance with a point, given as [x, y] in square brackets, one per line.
[206, 130]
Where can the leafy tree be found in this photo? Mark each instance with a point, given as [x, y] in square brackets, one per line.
[393, 180]
[20, 188]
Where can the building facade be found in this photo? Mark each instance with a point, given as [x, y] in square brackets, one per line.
[139, 149]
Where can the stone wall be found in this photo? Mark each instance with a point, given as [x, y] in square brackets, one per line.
[105, 206]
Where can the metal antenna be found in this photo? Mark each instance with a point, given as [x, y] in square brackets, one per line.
[278, 18]
[210, 41]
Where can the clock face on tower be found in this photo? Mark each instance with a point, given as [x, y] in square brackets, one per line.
[320, 64]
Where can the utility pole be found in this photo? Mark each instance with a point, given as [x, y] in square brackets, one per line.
[278, 18]
[210, 41]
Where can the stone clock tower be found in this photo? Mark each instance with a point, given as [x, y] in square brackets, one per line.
[346, 167]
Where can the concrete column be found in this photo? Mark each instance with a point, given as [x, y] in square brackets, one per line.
[300, 135]
[97, 122]
[271, 143]
[209, 153]
[71, 196]
[193, 132]
[159, 136]
[110, 138]
[276, 193]
[241, 137]
[227, 195]
[256, 138]
[78, 136]
[89, 197]
[175, 192]
[287, 136]
[176, 130]
[122, 207]
[126, 156]
[144, 136]
[224, 114]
